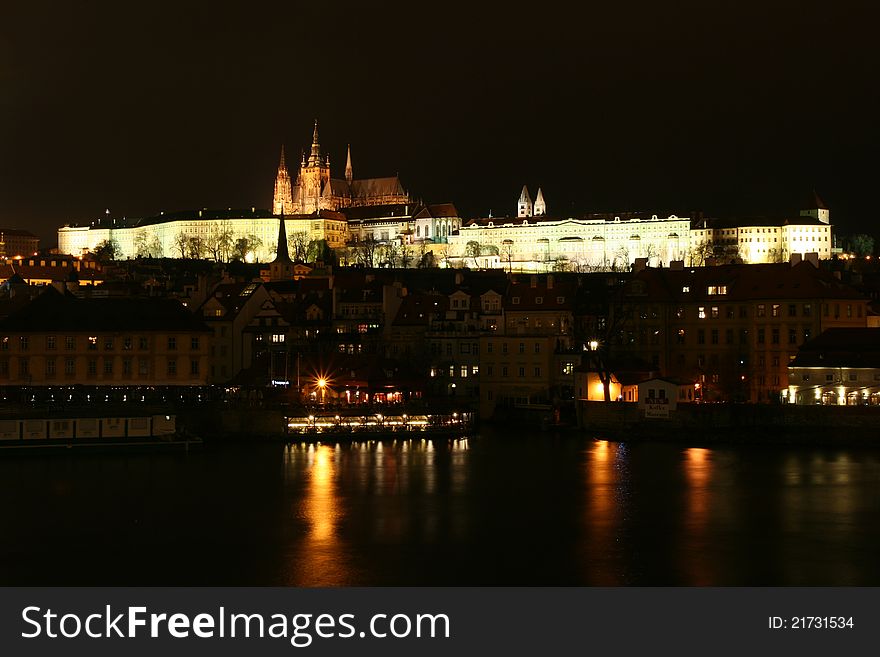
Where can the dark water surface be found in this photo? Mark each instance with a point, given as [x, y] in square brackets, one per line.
[493, 510]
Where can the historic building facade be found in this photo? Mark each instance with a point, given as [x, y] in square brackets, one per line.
[534, 241]
[315, 189]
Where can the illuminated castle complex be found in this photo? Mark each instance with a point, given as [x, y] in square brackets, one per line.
[315, 190]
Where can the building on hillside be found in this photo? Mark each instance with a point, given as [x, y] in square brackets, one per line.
[61, 340]
[228, 310]
[435, 223]
[220, 235]
[731, 328]
[314, 189]
[546, 243]
[840, 366]
[18, 243]
[535, 241]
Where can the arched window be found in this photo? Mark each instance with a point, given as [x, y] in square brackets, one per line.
[418, 231]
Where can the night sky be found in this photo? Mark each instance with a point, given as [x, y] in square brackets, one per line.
[727, 107]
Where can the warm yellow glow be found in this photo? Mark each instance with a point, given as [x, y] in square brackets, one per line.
[322, 383]
[321, 503]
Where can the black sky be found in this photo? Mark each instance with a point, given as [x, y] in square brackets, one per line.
[727, 107]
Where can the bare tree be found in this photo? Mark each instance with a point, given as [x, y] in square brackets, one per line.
[245, 246]
[365, 251]
[700, 253]
[621, 259]
[507, 255]
[219, 243]
[298, 245]
[195, 247]
[406, 256]
[181, 243]
[651, 252]
[140, 246]
[473, 250]
[561, 263]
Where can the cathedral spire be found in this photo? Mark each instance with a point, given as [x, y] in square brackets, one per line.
[540, 205]
[348, 172]
[524, 207]
[316, 147]
[283, 197]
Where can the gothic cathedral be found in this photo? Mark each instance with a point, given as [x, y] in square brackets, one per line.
[316, 190]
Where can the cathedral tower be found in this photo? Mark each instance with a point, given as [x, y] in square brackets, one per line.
[314, 174]
[348, 171]
[540, 205]
[283, 199]
[524, 207]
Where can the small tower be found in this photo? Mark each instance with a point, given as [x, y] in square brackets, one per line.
[524, 207]
[348, 172]
[817, 209]
[281, 268]
[283, 199]
[540, 205]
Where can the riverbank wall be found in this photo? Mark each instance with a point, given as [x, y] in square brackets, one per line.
[752, 423]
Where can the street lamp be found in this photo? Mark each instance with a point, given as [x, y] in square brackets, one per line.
[322, 385]
[594, 345]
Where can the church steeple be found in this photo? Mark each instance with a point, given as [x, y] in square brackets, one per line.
[348, 172]
[540, 205]
[281, 268]
[283, 198]
[281, 252]
[524, 207]
[315, 158]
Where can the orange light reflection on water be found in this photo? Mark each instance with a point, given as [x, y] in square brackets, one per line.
[321, 556]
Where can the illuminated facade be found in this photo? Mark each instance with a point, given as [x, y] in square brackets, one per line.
[533, 241]
[536, 243]
[840, 367]
[213, 234]
[314, 189]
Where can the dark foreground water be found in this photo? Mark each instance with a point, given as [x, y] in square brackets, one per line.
[492, 510]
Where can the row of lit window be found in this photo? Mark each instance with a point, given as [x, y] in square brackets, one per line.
[108, 367]
[92, 343]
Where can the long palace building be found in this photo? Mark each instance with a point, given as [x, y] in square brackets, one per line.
[345, 211]
[535, 240]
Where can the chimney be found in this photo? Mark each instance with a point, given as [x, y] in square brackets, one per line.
[676, 265]
[812, 258]
[795, 259]
[549, 281]
[640, 264]
[534, 281]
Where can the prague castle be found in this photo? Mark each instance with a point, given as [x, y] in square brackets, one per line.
[316, 190]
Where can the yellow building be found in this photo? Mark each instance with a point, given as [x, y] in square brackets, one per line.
[62, 340]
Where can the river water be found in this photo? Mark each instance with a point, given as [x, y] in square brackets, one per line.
[493, 510]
